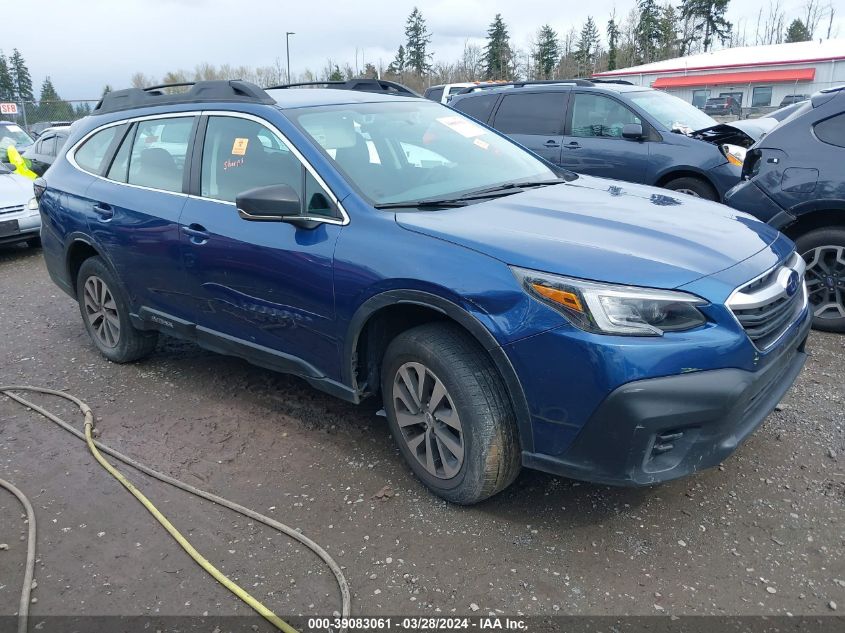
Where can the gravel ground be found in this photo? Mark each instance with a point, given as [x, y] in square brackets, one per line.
[762, 534]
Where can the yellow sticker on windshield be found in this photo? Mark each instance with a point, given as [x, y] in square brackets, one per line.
[239, 146]
[462, 126]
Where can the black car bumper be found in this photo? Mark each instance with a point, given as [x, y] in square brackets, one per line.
[654, 430]
[746, 196]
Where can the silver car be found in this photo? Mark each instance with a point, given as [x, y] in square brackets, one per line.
[19, 217]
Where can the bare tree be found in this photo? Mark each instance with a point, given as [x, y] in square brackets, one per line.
[770, 27]
[472, 62]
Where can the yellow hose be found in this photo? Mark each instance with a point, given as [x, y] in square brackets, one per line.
[201, 560]
[95, 447]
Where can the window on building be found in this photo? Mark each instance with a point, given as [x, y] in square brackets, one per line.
[761, 96]
[699, 97]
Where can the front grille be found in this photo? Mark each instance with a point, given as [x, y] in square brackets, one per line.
[766, 306]
[14, 209]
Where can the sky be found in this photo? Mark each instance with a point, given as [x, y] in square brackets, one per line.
[85, 44]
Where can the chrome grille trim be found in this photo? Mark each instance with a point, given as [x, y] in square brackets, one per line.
[13, 209]
[763, 306]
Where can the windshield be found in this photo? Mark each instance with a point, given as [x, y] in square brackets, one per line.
[674, 113]
[402, 151]
[13, 135]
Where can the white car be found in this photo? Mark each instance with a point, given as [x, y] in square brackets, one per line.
[442, 92]
[20, 220]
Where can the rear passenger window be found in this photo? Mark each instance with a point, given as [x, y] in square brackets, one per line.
[157, 159]
[532, 113]
[48, 146]
[832, 130]
[119, 169]
[90, 156]
[477, 107]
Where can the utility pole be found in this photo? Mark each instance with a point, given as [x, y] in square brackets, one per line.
[287, 49]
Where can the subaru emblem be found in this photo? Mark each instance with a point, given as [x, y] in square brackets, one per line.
[792, 283]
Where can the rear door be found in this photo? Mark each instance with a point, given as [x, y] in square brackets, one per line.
[535, 120]
[594, 145]
[135, 207]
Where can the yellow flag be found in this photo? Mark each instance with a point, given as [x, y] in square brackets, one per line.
[19, 163]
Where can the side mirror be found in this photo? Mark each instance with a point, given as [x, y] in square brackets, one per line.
[632, 131]
[275, 203]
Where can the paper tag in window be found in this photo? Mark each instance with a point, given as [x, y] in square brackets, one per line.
[239, 146]
[14, 128]
[481, 143]
[462, 126]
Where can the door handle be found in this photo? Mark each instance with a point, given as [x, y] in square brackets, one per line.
[196, 233]
[551, 144]
[573, 145]
[104, 211]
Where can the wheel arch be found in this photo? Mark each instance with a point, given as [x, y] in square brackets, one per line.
[684, 172]
[79, 248]
[816, 219]
[382, 317]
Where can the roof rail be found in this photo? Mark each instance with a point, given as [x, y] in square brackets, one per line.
[201, 91]
[362, 85]
[622, 82]
[520, 84]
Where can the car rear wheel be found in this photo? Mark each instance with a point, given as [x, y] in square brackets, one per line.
[824, 252]
[449, 413]
[693, 187]
[105, 312]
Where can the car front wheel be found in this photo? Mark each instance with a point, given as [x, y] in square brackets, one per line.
[449, 413]
[692, 187]
[824, 252]
[105, 312]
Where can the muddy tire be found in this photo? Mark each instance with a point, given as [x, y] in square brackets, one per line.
[450, 414]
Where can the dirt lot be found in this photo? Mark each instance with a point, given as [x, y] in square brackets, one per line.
[763, 534]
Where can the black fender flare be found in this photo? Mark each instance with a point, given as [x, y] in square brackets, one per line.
[466, 320]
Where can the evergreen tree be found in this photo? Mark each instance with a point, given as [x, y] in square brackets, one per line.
[7, 86]
[497, 52]
[20, 76]
[797, 32]
[397, 66]
[418, 38]
[106, 89]
[648, 31]
[336, 74]
[548, 51]
[612, 42]
[710, 20]
[668, 27]
[48, 92]
[51, 107]
[585, 51]
[370, 71]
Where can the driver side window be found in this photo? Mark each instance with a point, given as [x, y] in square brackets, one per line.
[597, 116]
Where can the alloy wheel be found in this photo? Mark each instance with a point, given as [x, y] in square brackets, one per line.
[689, 192]
[428, 420]
[101, 312]
[826, 281]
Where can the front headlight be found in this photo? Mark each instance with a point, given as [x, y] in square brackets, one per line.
[611, 309]
[734, 153]
[32, 206]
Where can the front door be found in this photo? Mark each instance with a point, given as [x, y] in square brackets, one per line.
[594, 145]
[263, 289]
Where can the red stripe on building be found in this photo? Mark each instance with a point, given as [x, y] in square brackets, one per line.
[755, 77]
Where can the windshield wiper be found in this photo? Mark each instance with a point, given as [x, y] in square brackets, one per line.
[423, 204]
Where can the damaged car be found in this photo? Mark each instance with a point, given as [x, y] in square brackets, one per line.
[617, 130]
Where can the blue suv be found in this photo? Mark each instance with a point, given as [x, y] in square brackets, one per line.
[507, 312]
[613, 129]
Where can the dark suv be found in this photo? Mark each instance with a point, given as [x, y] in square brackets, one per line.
[794, 180]
[506, 312]
[722, 106]
[616, 130]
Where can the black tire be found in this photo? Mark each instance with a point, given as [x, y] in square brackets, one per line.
[824, 285]
[491, 454]
[130, 343]
[693, 186]
[34, 242]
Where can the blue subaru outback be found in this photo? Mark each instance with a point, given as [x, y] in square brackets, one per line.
[507, 312]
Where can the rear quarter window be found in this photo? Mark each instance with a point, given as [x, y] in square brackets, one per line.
[532, 113]
[90, 156]
[478, 107]
[832, 130]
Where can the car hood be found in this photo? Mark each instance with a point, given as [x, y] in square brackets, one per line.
[604, 230]
[744, 132]
[14, 190]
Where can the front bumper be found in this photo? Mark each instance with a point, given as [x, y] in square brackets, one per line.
[746, 196]
[657, 429]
